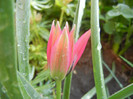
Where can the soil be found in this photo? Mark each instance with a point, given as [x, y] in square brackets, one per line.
[83, 79]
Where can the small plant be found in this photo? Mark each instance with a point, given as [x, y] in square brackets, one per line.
[34, 60]
[62, 53]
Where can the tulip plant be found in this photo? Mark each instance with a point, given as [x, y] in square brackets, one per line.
[64, 49]
[63, 52]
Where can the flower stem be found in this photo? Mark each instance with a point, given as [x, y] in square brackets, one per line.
[96, 51]
[58, 89]
[61, 16]
[67, 86]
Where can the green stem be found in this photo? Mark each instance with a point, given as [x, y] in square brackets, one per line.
[61, 16]
[58, 89]
[129, 41]
[96, 51]
[67, 86]
[116, 47]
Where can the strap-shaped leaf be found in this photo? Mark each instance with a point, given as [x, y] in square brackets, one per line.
[22, 33]
[29, 88]
[128, 62]
[8, 55]
[123, 93]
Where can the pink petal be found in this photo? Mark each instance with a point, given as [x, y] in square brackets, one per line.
[57, 33]
[59, 60]
[50, 42]
[79, 47]
[71, 39]
[67, 27]
[54, 35]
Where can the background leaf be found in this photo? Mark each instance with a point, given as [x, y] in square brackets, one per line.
[29, 88]
[8, 53]
[109, 27]
[121, 9]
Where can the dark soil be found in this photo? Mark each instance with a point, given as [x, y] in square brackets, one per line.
[83, 79]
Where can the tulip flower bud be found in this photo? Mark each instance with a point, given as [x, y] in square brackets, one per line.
[62, 52]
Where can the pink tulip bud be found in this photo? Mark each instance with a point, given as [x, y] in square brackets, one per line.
[62, 51]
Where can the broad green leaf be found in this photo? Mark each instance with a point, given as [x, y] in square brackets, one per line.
[123, 93]
[109, 27]
[101, 17]
[29, 88]
[121, 9]
[8, 53]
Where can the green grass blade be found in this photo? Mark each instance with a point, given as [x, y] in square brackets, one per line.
[113, 74]
[43, 75]
[96, 51]
[23, 91]
[128, 62]
[29, 88]
[92, 92]
[22, 32]
[78, 16]
[8, 55]
[123, 93]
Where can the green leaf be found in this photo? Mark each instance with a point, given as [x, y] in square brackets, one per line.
[92, 92]
[3, 94]
[123, 93]
[128, 62]
[70, 9]
[32, 71]
[8, 53]
[121, 9]
[43, 75]
[29, 88]
[44, 33]
[78, 16]
[46, 89]
[77, 21]
[22, 33]
[107, 67]
[40, 5]
[23, 90]
[96, 51]
[109, 27]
